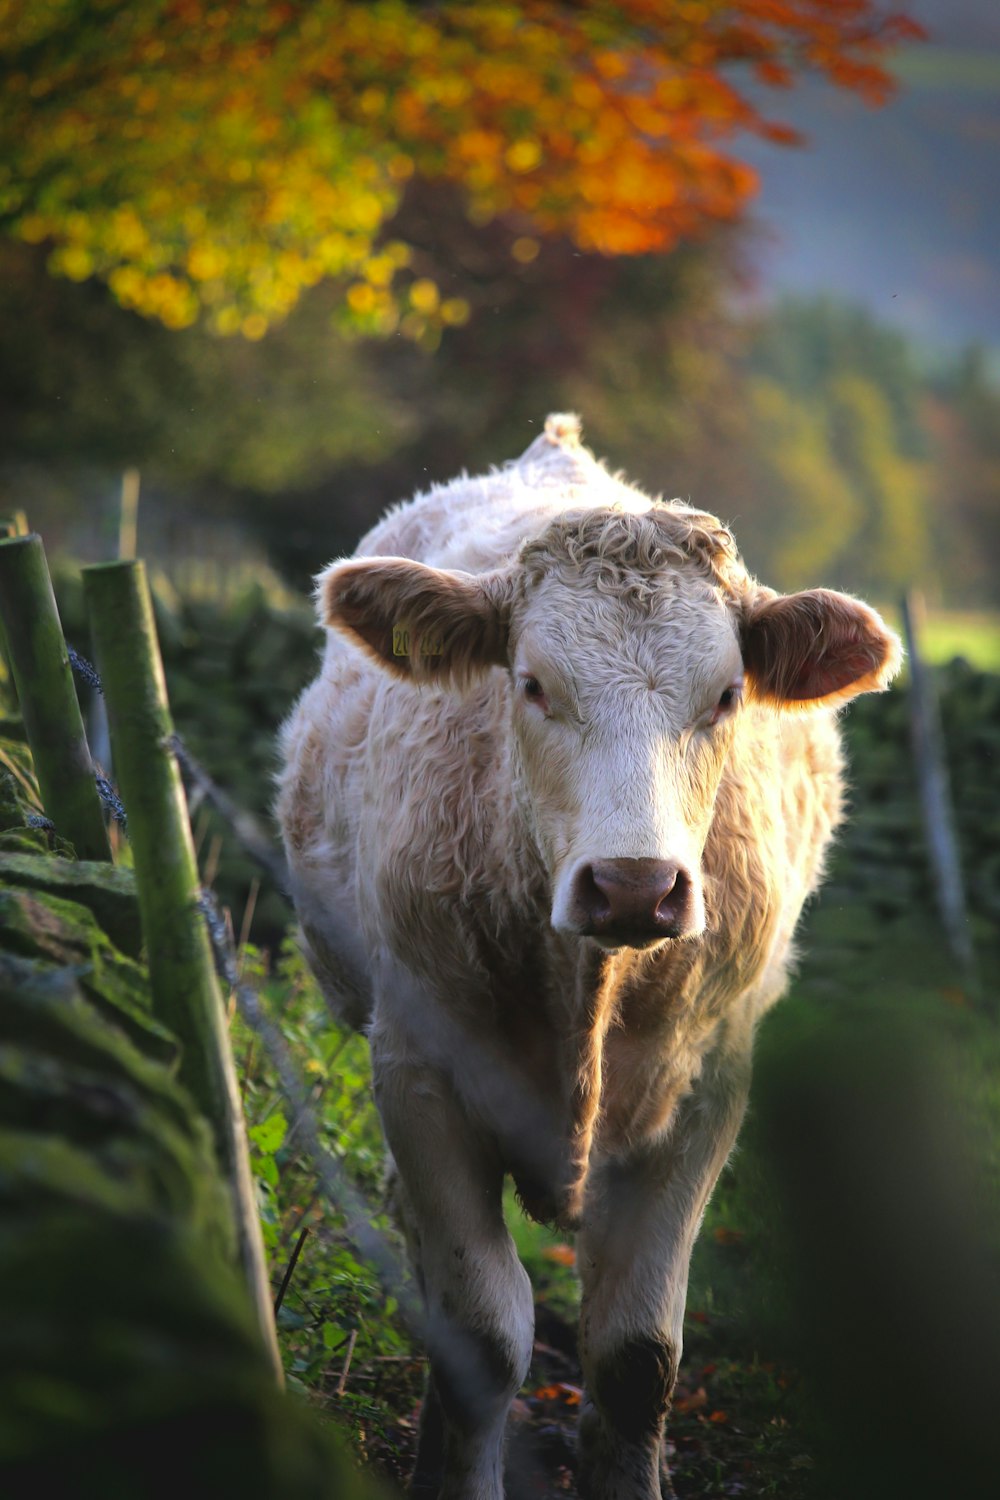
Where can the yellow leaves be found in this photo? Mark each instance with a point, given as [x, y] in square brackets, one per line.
[205, 262]
[223, 156]
[455, 311]
[380, 270]
[127, 284]
[74, 261]
[161, 296]
[372, 101]
[364, 211]
[424, 296]
[523, 155]
[127, 233]
[362, 297]
[33, 228]
[227, 321]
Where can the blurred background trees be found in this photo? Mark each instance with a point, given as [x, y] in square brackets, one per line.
[296, 259]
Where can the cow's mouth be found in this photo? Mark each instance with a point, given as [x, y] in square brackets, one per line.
[642, 942]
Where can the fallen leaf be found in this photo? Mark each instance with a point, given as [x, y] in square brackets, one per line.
[563, 1255]
[694, 1402]
[724, 1236]
[560, 1390]
[719, 1417]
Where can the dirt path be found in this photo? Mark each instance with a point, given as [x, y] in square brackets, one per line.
[729, 1434]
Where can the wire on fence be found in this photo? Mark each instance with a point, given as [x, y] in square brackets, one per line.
[112, 801]
[340, 1193]
[243, 825]
[85, 670]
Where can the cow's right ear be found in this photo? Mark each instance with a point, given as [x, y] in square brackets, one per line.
[816, 648]
[423, 623]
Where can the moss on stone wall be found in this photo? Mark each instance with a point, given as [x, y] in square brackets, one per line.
[130, 1363]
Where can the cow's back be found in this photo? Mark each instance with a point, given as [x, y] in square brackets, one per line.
[475, 524]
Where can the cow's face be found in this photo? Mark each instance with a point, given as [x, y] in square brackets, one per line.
[633, 642]
[622, 714]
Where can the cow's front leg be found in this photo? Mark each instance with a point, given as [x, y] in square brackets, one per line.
[640, 1220]
[476, 1292]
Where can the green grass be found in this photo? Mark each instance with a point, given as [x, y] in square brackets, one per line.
[974, 635]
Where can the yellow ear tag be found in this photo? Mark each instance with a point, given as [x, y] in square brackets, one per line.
[430, 645]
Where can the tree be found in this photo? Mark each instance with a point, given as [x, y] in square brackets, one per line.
[217, 157]
[963, 418]
[834, 466]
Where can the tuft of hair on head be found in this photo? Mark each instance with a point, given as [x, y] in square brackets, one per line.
[629, 552]
[563, 429]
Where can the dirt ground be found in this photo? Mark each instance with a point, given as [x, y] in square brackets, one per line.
[728, 1433]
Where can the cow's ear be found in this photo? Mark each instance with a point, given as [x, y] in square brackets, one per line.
[815, 648]
[422, 623]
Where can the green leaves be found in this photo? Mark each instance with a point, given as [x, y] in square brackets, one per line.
[270, 1133]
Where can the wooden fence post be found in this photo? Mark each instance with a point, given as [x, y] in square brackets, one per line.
[935, 797]
[47, 695]
[186, 994]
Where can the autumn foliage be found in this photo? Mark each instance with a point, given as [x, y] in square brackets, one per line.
[220, 156]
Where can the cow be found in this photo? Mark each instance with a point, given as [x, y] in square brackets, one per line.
[552, 809]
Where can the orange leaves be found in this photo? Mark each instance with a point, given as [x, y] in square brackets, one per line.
[560, 1255]
[565, 1394]
[685, 1405]
[215, 157]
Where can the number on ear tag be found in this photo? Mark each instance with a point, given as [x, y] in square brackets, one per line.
[430, 645]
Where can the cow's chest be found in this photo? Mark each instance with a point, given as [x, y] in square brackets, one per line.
[607, 1059]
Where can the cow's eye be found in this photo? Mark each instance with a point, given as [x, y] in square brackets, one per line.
[729, 700]
[534, 692]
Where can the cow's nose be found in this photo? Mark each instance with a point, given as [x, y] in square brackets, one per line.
[633, 900]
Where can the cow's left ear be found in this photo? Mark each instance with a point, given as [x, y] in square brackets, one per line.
[419, 622]
[815, 648]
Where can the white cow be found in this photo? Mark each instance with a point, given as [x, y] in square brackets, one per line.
[552, 809]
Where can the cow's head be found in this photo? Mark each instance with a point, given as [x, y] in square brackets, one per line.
[635, 644]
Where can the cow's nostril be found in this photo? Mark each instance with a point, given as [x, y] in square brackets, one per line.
[674, 896]
[591, 900]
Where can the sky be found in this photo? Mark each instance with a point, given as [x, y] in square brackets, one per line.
[897, 208]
